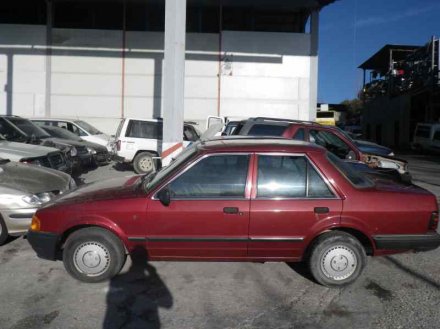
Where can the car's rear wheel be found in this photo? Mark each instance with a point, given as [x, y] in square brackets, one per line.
[336, 259]
[93, 255]
[143, 163]
[3, 231]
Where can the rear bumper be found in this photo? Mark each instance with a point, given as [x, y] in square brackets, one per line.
[45, 244]
[420, 242]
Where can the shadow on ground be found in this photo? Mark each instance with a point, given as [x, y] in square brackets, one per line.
[134, 297]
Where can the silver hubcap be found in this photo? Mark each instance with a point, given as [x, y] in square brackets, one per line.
[339, 263]
[146, 164]
[91, 258]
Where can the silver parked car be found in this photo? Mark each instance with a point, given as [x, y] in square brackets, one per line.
[23, 189]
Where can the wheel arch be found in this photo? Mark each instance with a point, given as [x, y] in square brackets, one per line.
[69, 231]
[362, 237]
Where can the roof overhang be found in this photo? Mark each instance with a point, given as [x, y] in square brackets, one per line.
[380, 61]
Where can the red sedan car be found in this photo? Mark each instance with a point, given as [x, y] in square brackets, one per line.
[239, 199]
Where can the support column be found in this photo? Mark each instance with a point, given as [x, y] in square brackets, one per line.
[314, 40]
[173, 79]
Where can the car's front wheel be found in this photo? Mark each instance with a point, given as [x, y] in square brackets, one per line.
[143, 163]
[336, 259]
[93, 255]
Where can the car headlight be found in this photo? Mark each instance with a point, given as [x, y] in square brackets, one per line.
[391, 154]
[73, 151]
[91, 151]
[72, 184]
[38, 199]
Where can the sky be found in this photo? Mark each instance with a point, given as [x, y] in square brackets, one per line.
[351, 31]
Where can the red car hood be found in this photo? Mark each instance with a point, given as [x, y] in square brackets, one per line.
[116, 188]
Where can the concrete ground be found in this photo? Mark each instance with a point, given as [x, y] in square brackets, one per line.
[401, 291]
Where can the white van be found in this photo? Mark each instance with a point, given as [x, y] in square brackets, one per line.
[139, 141]
[427, 137]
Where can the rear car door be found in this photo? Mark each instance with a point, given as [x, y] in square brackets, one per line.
[291, 198]
[208, 216]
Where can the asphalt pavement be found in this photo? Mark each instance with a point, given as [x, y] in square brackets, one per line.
[401, 291]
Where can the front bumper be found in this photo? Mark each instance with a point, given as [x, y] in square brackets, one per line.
[45, 244]
[18, 220]
[419, 242]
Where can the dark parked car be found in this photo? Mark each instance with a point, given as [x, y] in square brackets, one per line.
[239, 200]
[22, 130]
[99, 153]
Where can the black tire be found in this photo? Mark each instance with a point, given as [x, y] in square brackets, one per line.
[143, 163]
[336, 259]
[100, 247]
[3, 232]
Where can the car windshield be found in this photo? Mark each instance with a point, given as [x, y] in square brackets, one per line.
[355, 177]
[61, 133]
[346, 134]
[152, 180]
[29, 128]
[87, 127]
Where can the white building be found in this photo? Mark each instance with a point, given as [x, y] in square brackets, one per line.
[103, 60]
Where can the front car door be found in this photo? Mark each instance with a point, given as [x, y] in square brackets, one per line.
[290, 200]
[208, 216]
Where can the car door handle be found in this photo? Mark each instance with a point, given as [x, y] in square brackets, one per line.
[231, 210]
[322, 210]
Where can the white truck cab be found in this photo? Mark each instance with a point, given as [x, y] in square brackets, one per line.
[139, 142]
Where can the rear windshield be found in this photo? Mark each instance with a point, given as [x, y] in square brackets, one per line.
[88, 127]
[28, 127]
[266, 130]
[121, 124]
[355, 177]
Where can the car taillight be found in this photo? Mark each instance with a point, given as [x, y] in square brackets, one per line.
[433, 221]
[118, 145]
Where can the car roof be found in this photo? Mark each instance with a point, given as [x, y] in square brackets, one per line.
[258, 144]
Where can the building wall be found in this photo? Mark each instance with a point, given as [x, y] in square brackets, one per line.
[382, 114]
[261, 74]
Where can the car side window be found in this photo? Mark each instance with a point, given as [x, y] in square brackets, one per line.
[144, 129]
[289, 177]
[299, 135]
[217, 176]
[331, 142]
[266, 130]
[74, 129]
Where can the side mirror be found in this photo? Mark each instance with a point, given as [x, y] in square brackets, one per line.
[350, 156]
[164, 197]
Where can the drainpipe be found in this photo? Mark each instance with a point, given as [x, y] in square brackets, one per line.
[49, 26]
[124, 42]
[220, 58]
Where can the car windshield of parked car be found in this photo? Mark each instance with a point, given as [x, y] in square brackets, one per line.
[87, 127]
[29, 128]
[331, 142]
[61, 133]
[355, 177]
[154, 179]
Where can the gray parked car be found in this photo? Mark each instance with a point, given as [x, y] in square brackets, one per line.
[23, 189]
